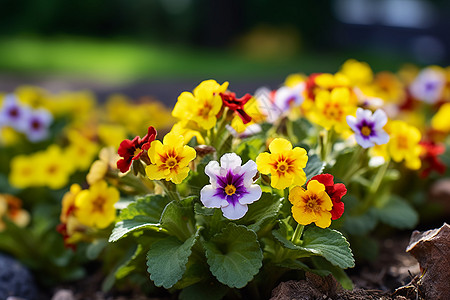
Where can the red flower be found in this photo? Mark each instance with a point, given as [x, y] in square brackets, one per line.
[311, 85]
[336, 191]
[229, 99]
[430, 158]
[132, 150]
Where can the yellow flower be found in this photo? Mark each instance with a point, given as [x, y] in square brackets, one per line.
[358, 73]
[9, 136]
[404, 144]
[81, 150]
[53, 167]
[441, 120]
[23, 172]
[99, 168]
[311, 205]
[202, 106]
[68, 203]
[283, 163]
[332, 108]
[111, 135]
[169, 160]
[329, 81]
[95, 206]
[183, 128]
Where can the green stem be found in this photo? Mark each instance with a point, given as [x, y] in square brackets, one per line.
[296, 237]
[355, 164]
[170, 189]
[378, 178]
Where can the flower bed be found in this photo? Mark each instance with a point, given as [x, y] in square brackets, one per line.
[223, 196]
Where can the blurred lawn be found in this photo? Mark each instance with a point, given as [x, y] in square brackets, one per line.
[125, 61]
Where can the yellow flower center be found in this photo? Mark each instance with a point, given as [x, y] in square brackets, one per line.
[98, 203]
[365, 130]
[402, 142]
[205, 110]
[137, 151]
[230, 189]
[171, 162]
[312, 203]
[333, 111]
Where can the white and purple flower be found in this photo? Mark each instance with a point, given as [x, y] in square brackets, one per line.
[231, 187]
[13, 113]
[428, 86]
[368, 127]
[37, 125]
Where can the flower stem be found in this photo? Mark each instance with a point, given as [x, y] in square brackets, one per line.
[297, 233]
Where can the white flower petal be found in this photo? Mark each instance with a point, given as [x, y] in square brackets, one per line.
[359, 113]
[381, 137]
[365, 143]
[254, 193]
[380, 118]
[234, 212]
[212, 169]
[351, 121]
[230, 161]
[208, 199]
[249, 170]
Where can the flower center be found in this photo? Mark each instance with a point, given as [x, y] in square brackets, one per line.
[366, 131]
[312, 203]
[230, 189]
[403, 142]
[98, 203]
[282, 167]
[171, 162]
[137, 151]
[14, 112]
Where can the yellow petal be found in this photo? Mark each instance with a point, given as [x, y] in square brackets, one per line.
[263, 161]
[178, 177]
[153, 172]
[280, 145]
[315, 187]
[174, 140]
[323, 220]
[302, 217]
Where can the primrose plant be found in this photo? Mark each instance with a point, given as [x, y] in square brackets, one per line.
[225, 218]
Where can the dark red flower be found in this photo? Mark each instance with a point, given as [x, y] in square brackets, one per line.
[430, 158]
[336, 191]
[229, 100]
[311, 85]
[132, 150]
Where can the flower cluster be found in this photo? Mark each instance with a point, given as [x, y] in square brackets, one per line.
[34, 123]
[233, 187]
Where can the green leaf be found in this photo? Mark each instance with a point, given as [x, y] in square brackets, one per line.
[142, 214]
[398, 213]
[210, 290]
[124, 227]
[330, 244]
[298, 265]
[150, 206]
[266, 208]
[178, 218]
[95, 248]
[202, 210]
[314, 167]
[167, 259]
[250, 148]
[234, 255]
[360, 224]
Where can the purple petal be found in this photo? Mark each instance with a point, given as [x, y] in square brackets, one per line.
[249, 170]
[381, 138]
[351, 121]
[380, 118]
[363, 142]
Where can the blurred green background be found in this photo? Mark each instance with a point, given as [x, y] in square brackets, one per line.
[102, 44]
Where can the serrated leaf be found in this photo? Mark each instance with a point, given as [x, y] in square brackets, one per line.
[204, 211]
[144, 213]
[398, 213]
[178, 218]
[123, 228]
[150, 206]
[234, 255]
[210, 290]
[330, 244]
[314, 167]
[266, 208]
[167, 259]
